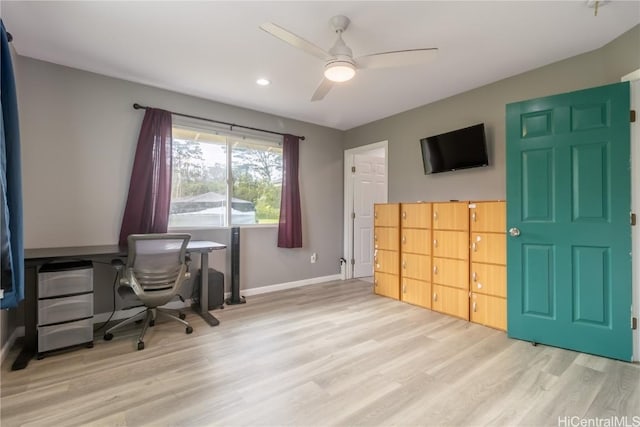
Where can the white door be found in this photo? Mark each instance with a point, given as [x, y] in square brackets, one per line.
[369, 187]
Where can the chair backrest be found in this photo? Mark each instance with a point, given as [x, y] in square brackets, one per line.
[156, 265]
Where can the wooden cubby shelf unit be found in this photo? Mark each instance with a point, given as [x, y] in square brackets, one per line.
[449, 257]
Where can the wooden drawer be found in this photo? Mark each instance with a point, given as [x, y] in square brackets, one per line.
[386, 238]
[416, 266]
[489, 311]
[416, 292]
[489, 279]
[451, 272]
[450, 301]
[387, 285]
[386, 261]
[451, 216]
[415, 215]
[488, 216]
[450, 244]
[386, 215]
[489, 247]
[415, 240]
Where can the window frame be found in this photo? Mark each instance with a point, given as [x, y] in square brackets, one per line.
[229, 134]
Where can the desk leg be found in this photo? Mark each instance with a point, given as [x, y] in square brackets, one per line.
[204, 291]
[30, 344]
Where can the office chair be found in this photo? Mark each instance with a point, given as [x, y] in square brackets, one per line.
[155, 270]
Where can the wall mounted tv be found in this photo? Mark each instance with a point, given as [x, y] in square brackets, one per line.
[458, 149]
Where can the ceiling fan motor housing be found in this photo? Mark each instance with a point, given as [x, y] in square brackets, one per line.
[341, 66]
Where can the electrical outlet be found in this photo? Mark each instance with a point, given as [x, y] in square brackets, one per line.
[314, 258]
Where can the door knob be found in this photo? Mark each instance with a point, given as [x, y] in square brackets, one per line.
[514, 232]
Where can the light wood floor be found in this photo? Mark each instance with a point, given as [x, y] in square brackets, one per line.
[330, 354]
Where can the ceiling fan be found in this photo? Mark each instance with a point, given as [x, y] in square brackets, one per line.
[340, 65]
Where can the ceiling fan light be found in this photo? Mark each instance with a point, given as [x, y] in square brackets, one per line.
[339, 71]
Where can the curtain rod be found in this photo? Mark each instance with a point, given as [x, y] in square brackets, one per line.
[137, 106]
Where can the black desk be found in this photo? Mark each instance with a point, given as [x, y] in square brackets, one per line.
[33, 258]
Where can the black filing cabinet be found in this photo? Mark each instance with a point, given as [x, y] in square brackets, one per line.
[65, 305]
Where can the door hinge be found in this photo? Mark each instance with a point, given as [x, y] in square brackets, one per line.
[632, 116]
[353, 215]
[353, 169]
[632, 218]
[634, 323]
[353, 261]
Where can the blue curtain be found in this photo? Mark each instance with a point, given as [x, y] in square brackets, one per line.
[12, 245]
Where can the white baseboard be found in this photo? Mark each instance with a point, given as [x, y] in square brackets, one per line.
[17, 333]
[289, 285]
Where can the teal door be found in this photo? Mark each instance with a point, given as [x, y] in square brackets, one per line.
[568, 204]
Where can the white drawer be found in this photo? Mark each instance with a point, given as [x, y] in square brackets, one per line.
[64, 335]
[64, 282]
[65, 308]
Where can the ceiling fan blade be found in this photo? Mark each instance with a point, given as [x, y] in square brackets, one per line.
[295, 41]
[398, 58]
[323, 88]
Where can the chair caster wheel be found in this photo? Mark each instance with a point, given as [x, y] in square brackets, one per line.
[182, 316]
[152, 323]
[89, 345]
[189, 329]
[108, 337]
[141, 345]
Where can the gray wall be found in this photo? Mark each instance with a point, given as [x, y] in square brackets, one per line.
[407, 181]
[79, 134]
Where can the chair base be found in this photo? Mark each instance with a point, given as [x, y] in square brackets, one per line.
[149, 316]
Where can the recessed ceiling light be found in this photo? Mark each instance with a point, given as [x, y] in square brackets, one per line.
[263, 82]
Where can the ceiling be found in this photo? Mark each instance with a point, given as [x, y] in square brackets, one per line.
[215, 50]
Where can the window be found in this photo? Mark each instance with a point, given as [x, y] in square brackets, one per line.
[221, 176]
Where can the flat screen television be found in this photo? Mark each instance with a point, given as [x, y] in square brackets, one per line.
[458, 149]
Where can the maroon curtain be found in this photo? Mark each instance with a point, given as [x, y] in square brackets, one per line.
[290, 228]
[147, 209]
